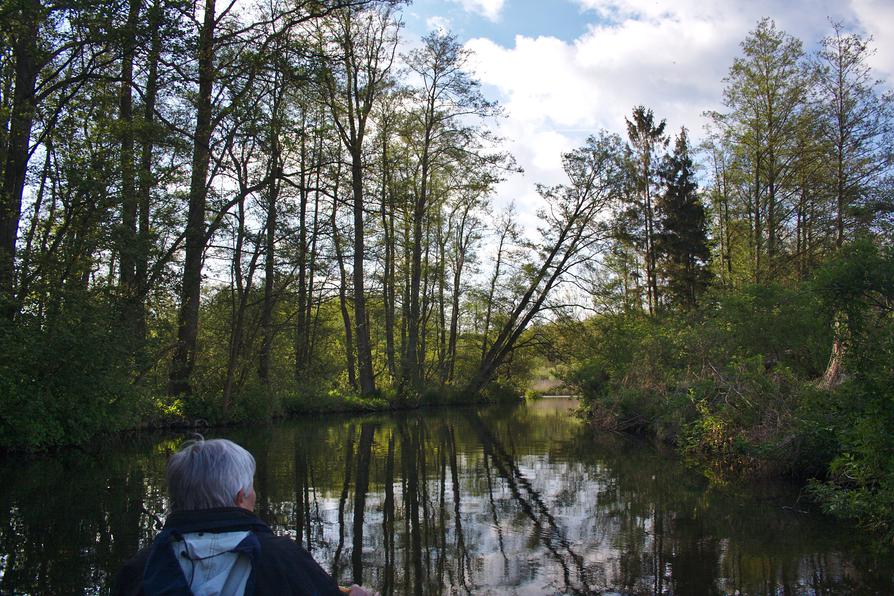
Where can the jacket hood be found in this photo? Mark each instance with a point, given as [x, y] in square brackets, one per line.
[210, 552]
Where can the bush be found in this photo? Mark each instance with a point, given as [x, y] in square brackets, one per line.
[736, 383]
[725, 382]
[66, 378]
[858, 287]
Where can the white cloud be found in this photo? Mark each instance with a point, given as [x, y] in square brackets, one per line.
[489, 9]
[877, 17]
[437, 23]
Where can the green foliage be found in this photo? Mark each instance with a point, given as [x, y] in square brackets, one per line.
[501, 392]
[66, 378]
[734, 383]
[682, 243]
[859, 284]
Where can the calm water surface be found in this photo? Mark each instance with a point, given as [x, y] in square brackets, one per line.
[498, 500]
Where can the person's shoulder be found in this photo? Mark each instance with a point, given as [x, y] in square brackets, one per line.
[129, 579]
[278, 544]
[283, 549]
[286, 563]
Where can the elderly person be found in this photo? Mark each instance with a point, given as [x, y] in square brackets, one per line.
[212, 543]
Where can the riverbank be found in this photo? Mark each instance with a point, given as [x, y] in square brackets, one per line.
[741, 385]
[160, 412]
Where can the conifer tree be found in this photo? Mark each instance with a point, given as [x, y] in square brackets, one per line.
[682, 244]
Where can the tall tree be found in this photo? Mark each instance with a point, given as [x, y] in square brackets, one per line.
[128, 248]
[647, 138]
[358, 64]
[720, 195]
[145, 174]
[682, 243]
[447, 98]
[857, 123]
[389, 193]
[190, 295]
[766, 92]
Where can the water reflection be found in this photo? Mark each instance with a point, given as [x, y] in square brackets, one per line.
[498, 500]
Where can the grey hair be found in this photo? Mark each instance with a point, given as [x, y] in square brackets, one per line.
[207, 474]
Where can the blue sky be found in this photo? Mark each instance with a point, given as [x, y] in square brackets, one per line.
[563, 69]
[558, 18]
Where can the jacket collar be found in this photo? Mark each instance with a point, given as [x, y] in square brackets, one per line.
[219, 519]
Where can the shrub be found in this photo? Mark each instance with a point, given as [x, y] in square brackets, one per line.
[66, 378]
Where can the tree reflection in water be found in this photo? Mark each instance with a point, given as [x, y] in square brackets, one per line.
[498, 500]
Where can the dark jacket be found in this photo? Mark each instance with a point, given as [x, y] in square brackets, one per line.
[279, 566]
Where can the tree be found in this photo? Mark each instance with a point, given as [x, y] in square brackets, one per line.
[127, 235]
[720, 193]
[188, 317]
[857, 126]
[51, 51]
[570, 229]
[766, 92]
[358, 62]
[647, 138]
[447, 98]
[682, 244]
[505, 226]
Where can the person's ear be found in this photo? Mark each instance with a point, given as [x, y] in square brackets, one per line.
[239, 501]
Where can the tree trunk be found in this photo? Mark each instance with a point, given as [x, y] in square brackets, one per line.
[145, 178]
[342, 296]
[424, 306]
[465, 239]
[388, 278]
[310, 334]
[270, 252]
[15, 168]
[529, 305]
[411, 372]
[24, 281]
[490, 294]
[188, 319]
[834, 374]
[442, 303]
[243, 285]
[758, 232]
[364, 349]
[127, 246]
[413, 368]
[651, 277]
[301, 317]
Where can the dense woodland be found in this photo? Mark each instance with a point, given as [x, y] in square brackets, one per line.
[224, 211]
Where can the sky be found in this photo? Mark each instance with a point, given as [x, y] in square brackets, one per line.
[563, 69]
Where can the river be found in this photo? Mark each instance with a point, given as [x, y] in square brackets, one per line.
[497, 500]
